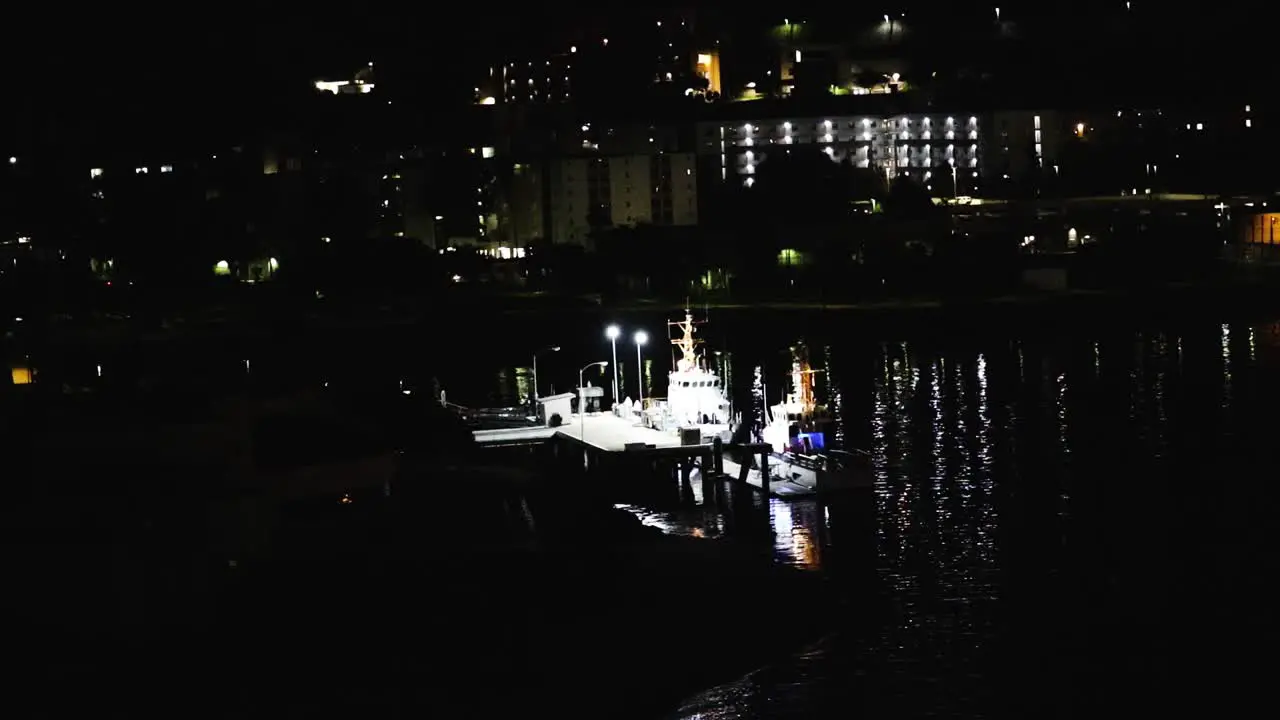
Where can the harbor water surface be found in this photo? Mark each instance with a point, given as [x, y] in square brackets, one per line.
[1066, 521]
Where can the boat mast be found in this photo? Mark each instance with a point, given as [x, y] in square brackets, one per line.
[686, 343]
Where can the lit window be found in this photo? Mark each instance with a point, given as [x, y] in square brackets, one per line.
[1248, 122]
[166, 168]
[95, 173]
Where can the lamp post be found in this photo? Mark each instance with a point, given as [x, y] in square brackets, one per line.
[553, 348]
[641, 338]
[612, 332]
[582, 402]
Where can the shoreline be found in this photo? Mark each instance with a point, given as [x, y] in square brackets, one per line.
[1143, 303]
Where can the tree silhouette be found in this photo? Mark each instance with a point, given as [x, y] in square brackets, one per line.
[908, 198]
[662, 258]
[802, 186]
[798, 198]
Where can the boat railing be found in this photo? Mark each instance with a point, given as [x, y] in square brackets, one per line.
[850, 459]
[808, 462]
[830, 461]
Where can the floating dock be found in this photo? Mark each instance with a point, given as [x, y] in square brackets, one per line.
[605, 434]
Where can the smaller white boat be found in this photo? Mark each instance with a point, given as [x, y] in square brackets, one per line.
[797, 429]
[798, 424]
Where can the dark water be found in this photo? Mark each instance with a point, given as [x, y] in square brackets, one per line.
[1066, 522]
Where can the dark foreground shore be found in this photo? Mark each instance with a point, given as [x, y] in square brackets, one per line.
[471, 592]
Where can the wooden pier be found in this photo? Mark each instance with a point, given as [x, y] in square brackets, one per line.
[606, 438]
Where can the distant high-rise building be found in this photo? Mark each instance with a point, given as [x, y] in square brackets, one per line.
[966, 148]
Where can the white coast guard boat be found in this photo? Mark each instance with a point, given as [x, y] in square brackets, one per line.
[695, 393]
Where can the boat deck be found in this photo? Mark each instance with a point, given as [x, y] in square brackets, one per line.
[783, 482]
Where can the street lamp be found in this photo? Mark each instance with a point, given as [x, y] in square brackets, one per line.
[553, 348]
[612, 332]
[582, 401]
[641, 338]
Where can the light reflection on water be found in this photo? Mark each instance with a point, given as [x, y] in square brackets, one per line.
[990, 464]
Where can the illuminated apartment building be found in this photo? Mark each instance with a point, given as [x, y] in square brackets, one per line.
[969, 147]
[548, 79]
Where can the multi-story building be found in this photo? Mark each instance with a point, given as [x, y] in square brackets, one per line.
[968, 147]
[594, 193]
[622, 60]
[547, 79]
